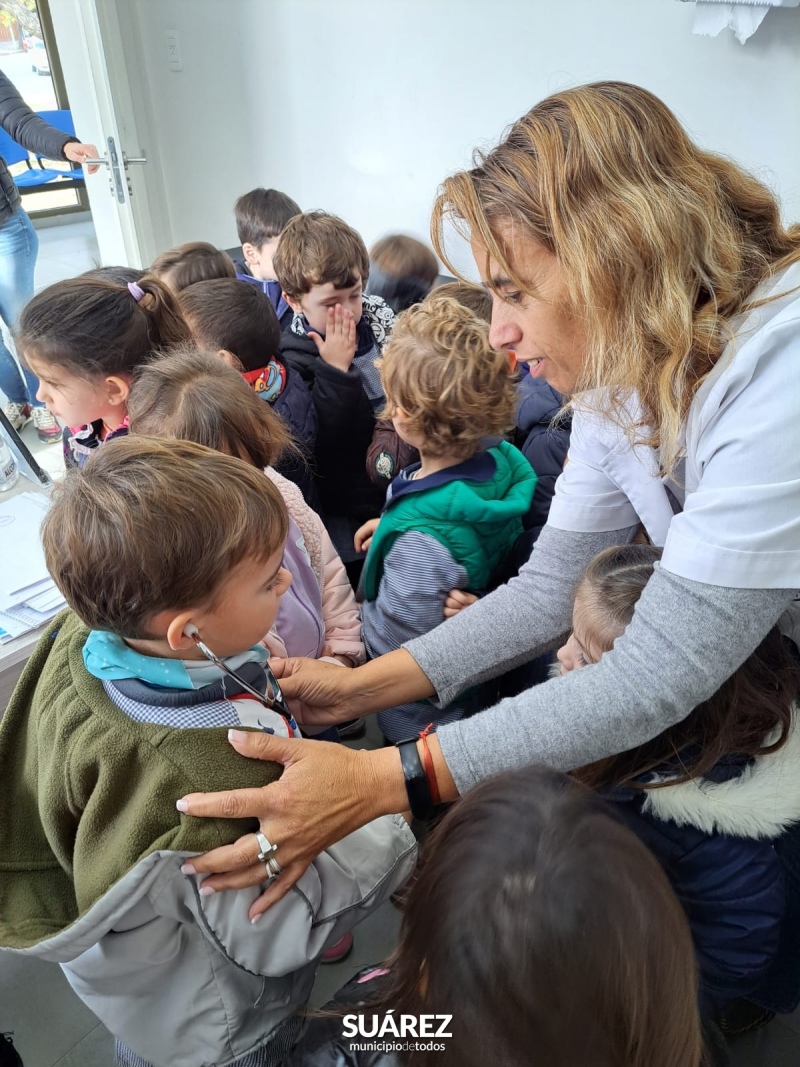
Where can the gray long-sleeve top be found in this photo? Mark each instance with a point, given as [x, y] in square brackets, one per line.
[652, 678]
[27, 129]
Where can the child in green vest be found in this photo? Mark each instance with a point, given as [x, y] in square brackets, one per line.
[451, 519]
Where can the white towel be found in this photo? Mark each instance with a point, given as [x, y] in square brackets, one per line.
[743, 17]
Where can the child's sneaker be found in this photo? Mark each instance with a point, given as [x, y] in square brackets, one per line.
[18, 415]
[338, 952]
[47, 428]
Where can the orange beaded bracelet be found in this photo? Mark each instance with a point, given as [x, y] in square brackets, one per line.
[427, 762]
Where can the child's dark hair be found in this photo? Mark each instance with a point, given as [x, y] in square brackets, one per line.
[232, 315]
[193, 395]
[545, 924]
[317, 248]
[262, 214]
[93, 327]
[195, 261]
[749, 715]
[402, 270]
[120, 275]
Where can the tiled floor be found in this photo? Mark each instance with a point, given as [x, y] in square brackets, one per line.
[51, 1026]
[65, 251]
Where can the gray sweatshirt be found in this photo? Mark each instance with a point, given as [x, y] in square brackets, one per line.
[647, 683]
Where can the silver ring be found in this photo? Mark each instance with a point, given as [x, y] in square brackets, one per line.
[265, 846]
[273, 867]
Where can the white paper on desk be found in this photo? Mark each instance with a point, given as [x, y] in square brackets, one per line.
[21, 554]
[13, 627]
[43, 591]
[34, 589]
[31, 618]
[46, 601]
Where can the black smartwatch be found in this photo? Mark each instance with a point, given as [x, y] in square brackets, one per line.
[419, 792]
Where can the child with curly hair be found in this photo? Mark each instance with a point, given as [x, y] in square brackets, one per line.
[450, 520]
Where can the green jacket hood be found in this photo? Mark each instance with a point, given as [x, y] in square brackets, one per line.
[86, 793]
[478, 521]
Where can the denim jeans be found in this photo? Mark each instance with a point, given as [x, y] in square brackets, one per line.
[18, 247]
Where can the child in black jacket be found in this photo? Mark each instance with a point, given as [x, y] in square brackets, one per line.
[336, 335]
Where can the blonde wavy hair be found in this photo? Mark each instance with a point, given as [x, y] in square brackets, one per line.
[440, 369]
[661, 243]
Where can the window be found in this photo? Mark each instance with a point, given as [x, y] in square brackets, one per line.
[28, 57]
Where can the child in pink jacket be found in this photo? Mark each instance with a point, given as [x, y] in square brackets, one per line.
[194, 395]
[318, 617]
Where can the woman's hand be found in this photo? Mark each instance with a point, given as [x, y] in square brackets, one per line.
[338, 347]
[326, 791]
[320, 689]
[363, 537]
[76, 152]
[457, 600]
[337, 696]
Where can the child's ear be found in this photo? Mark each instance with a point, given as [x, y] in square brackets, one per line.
[250, 253]
[230, 359]
[177, 637]
[118, 389]
[295, 305]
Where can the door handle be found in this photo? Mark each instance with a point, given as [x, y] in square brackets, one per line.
[117, 163]
[106, 162]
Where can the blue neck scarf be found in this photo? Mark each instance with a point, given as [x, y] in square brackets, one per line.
[108, 658]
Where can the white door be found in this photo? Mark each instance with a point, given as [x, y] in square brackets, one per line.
[124, 195]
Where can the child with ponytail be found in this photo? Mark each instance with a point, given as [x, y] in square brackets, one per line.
[83, 338]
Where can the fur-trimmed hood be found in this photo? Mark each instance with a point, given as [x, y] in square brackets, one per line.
[760, 803]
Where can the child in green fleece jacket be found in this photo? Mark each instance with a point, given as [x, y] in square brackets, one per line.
[166, 552]
[451, 519]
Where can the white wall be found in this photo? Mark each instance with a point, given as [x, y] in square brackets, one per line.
[363, 106]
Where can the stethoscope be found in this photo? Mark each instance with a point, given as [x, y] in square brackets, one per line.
[272, 699]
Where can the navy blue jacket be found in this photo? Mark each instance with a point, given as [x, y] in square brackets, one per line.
[296, 407]
[544, 446]
[272, 290]
[715, 838]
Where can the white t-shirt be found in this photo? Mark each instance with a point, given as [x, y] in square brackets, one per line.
[732, 516]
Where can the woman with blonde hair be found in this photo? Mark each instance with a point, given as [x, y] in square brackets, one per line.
[653, 282]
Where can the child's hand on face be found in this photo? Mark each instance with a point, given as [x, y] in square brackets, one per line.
[457, 600]
[363, 537]
[339, 345]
